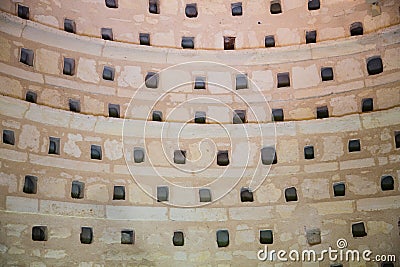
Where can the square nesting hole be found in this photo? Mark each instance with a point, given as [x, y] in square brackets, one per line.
[95, 152]
[200, 83]
[339, 189]
[187, 42]
[205, 195]
[119, 192]
[54, 145]
[74, 105]
[354, 145]
[277, 114]
[144, 38]
[326, 74]
[387, 183]
[69, 25]
[86, 235]
[108, 73]
[246, 195]
[308, 152]
[23, 11]
[397, 139]
[157, 115]
[358, 229]
[268, 155]
[154, 7]
[266, 237]
[241, 81]
[356, 28]
[112, 3]
[237, 9]
[229, 43]
[283, 79]
[8, 137]
[69, 66]
[162, 193]
[151, 80]
[178, 239]
[138, 154]
[26, 57]
[275, 7]
[39, 233]
[313, 236]
[222, 238]
[127, 237]
[179, 156]
[113, 110]
[77, 189]
[322, 112]
[107, 34]
[31, 97]
[290, 194]
[269, 41]
[239, 117]
[367, 105]
[222, 158]
[30, 184]
[200, 117]
[313, 4]
[311, 37]
[191, 10]
[374, 65]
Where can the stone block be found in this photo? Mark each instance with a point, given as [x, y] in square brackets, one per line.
[198, 214]
[71, 209]
[48, 61]
[348, 69]
[305, 77]
[334, 207]
[22, 204]
[246, 214]
[136, 213]
[376, 204]
[87, 71]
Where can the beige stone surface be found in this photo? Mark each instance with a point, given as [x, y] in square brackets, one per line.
[48, 61]
[315, 188]
[86, 70]
[361, 185]
[305, 77]
[97, 192]
[348, 69]
[29, 138]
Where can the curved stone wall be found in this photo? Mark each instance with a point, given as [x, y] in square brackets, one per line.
[68, 174]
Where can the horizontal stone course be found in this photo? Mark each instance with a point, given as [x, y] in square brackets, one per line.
[198, 214]
[22, 204]
[136, 213]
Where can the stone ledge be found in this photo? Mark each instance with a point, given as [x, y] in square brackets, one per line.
[381, 203]
[22, 204]
[71, 209]
[198, 214]
[136, 213]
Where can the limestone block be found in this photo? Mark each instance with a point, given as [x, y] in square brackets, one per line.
[53, 187]
[331, 33]
[361, 185]
[381, 203]
[29, 138]
[219, 82]
[387, 98]
[59, 232]
[22, 204]
[9, 154]
[47, 20]
[345, 124]
[16, 251]
[137, 196]
[348, 69]
[198, 214]
[113, 149]
[92, 105]
[391, 59]
[305, 77]
[287, 151]
[83, 122]
[262, 79]
[334, 207]
[131, 76]
[176, 80]
[136, 213]
[71, 209]
[315, 188]
[379, 227]
[8, 180]
[87, 70]
[343, 105]
[255, 213]
[55, 254]
[98, 192]
[164, 38]
[357, 163]
[286, 36]
[268, 193]
[49, 116]
[70, 147]
[52, 98]
[245, 236]
[332, 147]
[48, 61]
[321, 167]
[12, 108]
[10, 87]
[5, 51]
[15, 229]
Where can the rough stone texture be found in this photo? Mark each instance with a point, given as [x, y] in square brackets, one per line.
[29, 138]
[348, 69]
[48, 61]
[86, 70]
[305, 77]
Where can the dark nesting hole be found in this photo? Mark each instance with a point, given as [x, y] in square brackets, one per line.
[179, 156]
[222, 158]
[95, 152]
[127, 237]
[387, 183]
[308, 152]
[30, 184]
[86, 235]
[200, 83]
[237, 9]
[358, 229]
[162, 193]
[31, 96]
[222, 238]
[397, 139]
[157, 115]
[113, 110]
[266, 237]
[107, 34]
[313, 4]
[144, 38]
[374, 65]
[178, 238]
[69, 25]
[138, 154]
[387, 264]
[283, 79]
[187, 42]
[112, 3]
[336, 265]
[229, 43]
[275, 7]
[205, 195]
[74, 105]
[290, 194]
[191, 10]
[356, 28]
[322, 112]
[327, 74]
[239, 116]
[8, 137]
[54, 145]
[23, 12]
[69, 66]
[119, 192]
[77, 189]
[241, 81]
[246, 195]
[26, 57]
[39, 233]
[354, 145]
[311, 37]
[367, 105]
[277, 114]
[151, 80]
[108, 73]
[269, 41]
[339, 189]
[154, 7]
[268, 155]
[200, 117]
